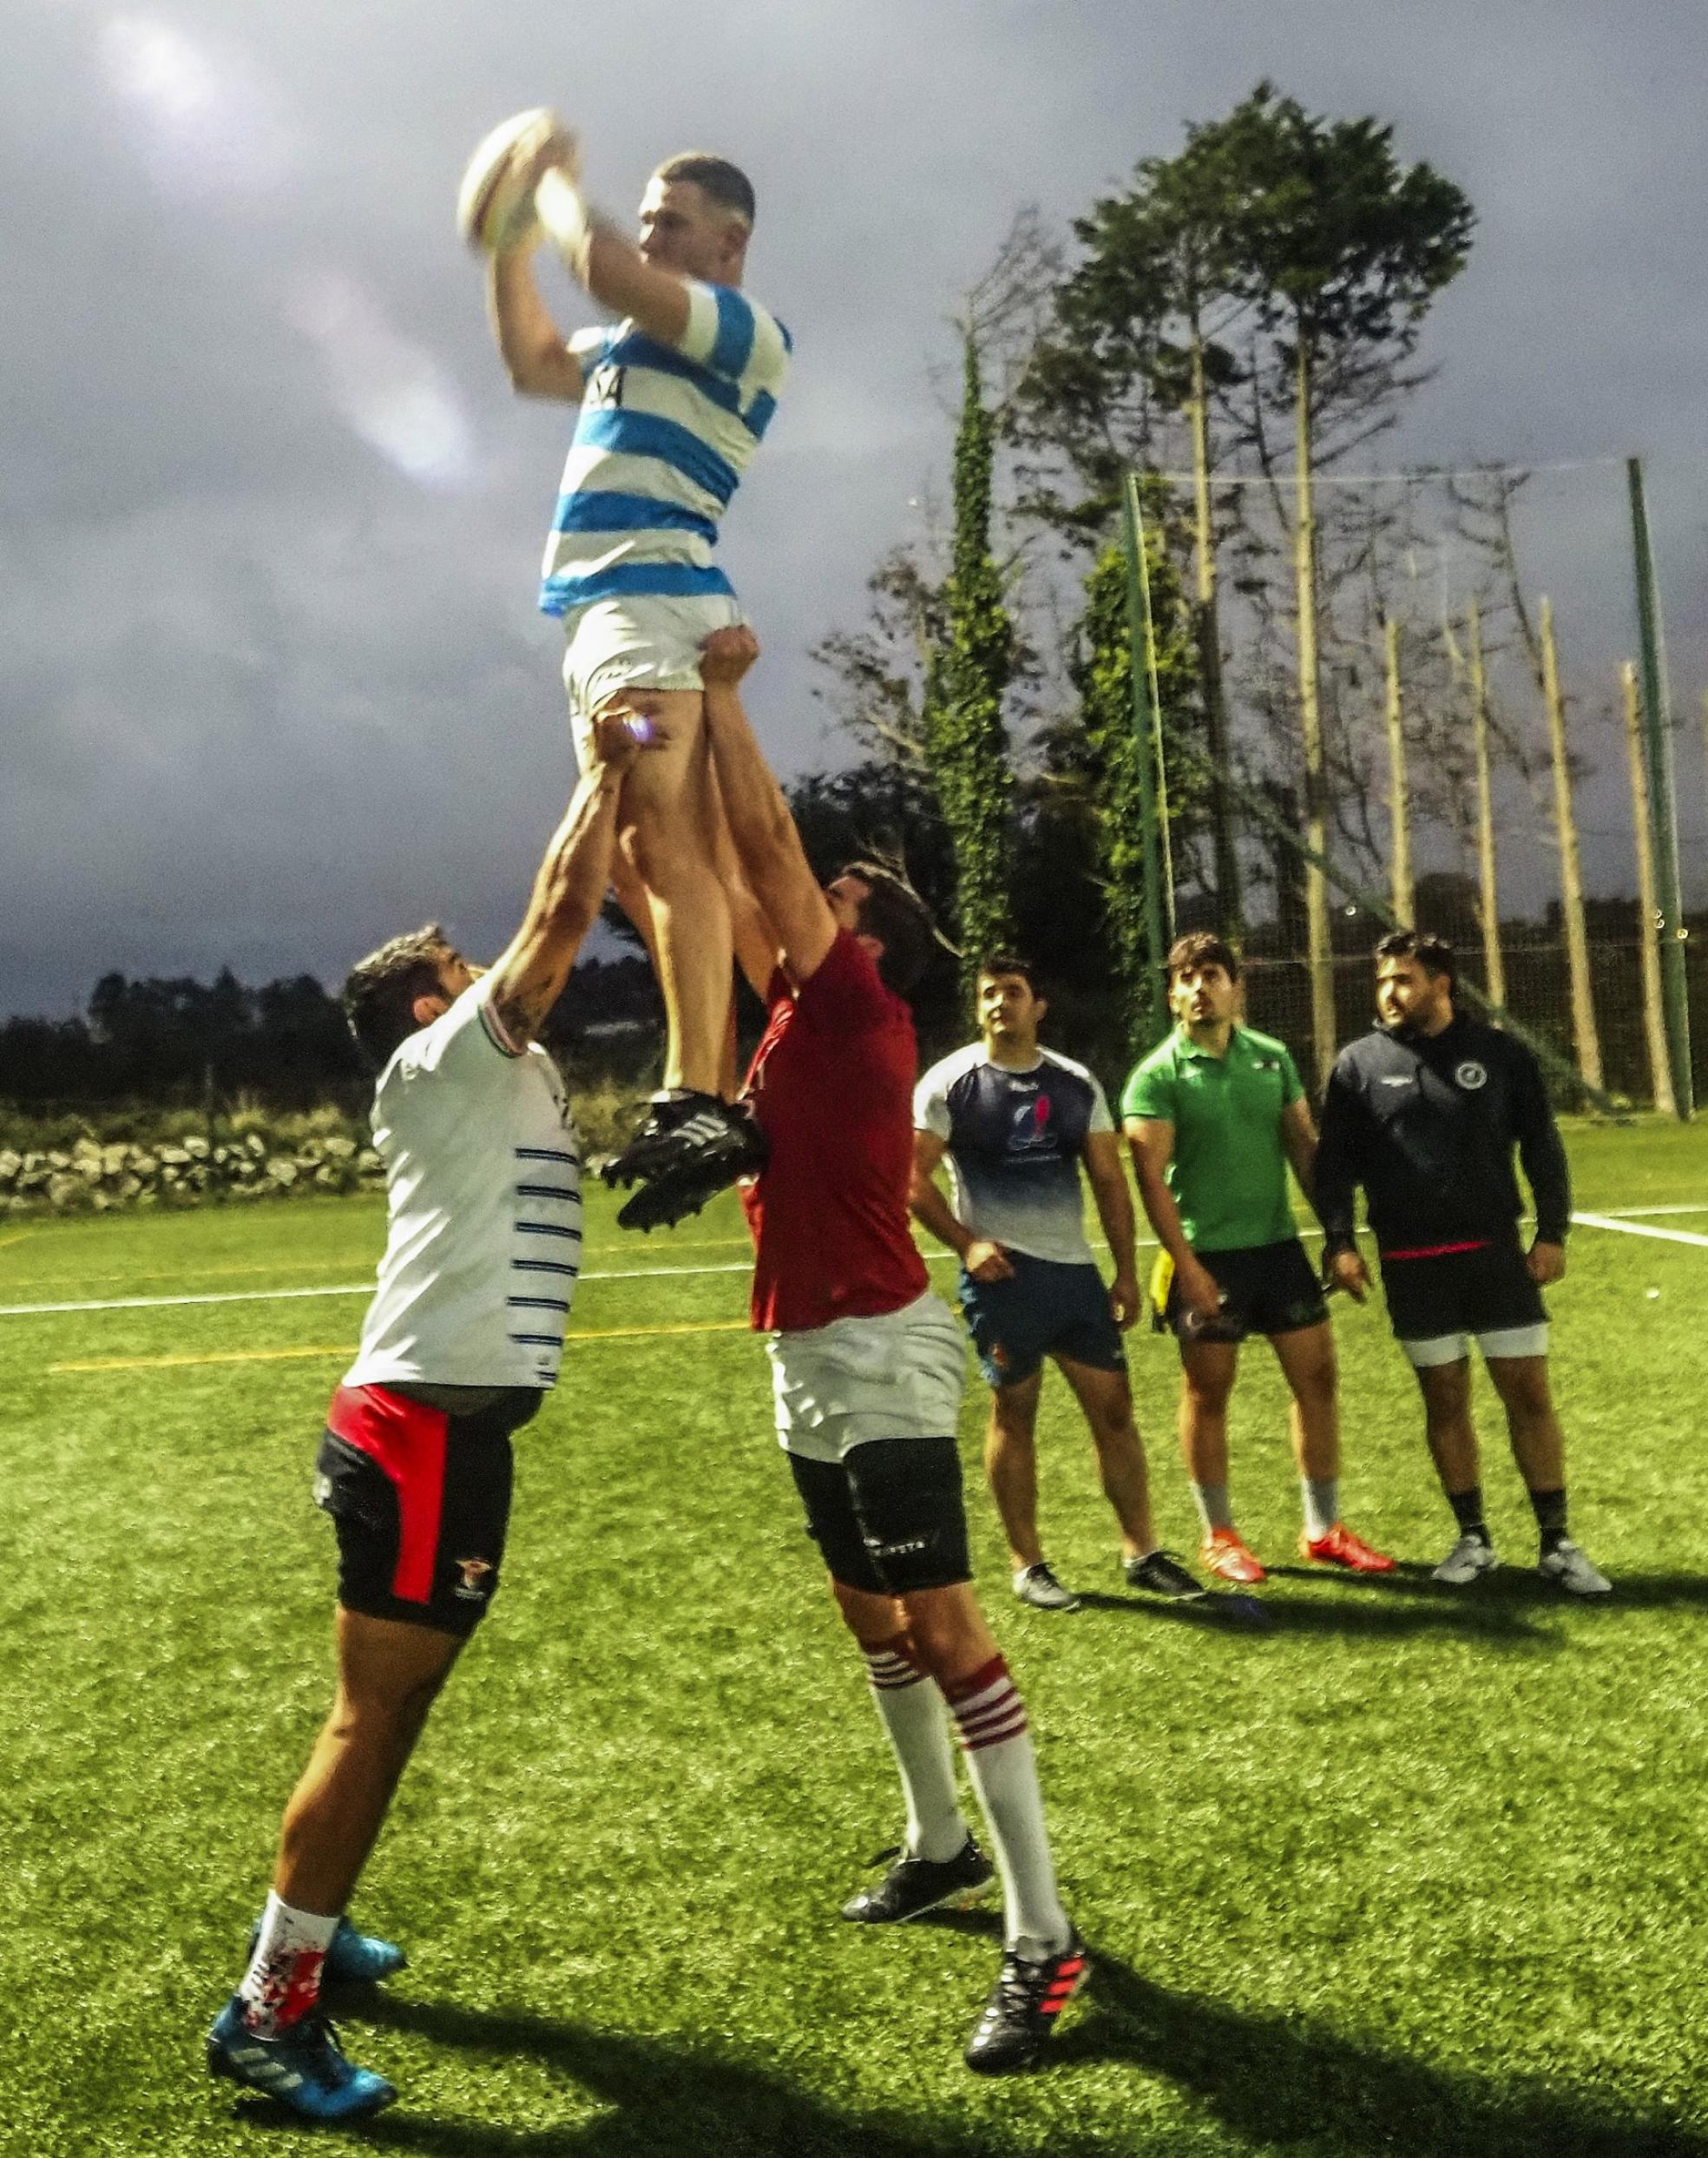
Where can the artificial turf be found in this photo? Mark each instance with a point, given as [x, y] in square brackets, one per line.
[1410, 1869]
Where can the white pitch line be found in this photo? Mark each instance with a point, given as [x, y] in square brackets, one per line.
[1642, 1213]
[1643, 1228]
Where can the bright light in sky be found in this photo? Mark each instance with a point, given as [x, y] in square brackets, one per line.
[207, 124]
[394, 395]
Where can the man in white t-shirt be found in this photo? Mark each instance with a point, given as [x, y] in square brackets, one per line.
[1016, 1123]
[460, 1345]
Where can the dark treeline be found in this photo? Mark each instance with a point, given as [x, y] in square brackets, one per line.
[178, 1041]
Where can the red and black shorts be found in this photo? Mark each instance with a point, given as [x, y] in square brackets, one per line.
[420, 1498]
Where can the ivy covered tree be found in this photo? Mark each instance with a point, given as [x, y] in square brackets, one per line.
[1103, 751]
[966, 734]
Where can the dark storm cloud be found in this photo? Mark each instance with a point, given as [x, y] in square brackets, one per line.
[271, 675]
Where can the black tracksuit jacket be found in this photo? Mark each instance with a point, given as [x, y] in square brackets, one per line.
[1428, 1126]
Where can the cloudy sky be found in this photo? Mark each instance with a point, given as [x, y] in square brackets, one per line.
[273, 683]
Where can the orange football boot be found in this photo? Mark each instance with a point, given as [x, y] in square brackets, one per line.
[1222, 1552]
[1341, 1547]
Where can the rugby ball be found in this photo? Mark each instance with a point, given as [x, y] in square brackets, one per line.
[494, 210]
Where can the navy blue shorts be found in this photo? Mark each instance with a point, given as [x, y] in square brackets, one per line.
[1048, 1309]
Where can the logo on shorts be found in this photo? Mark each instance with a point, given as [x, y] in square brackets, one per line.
[1470, 1075]
[323, 1490]
[472, 1588]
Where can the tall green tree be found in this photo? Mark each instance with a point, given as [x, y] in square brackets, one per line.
[966, 734]
[1341, 251]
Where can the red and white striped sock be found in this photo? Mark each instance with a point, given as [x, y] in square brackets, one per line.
[990, 1720]
[911, 1710]
[283, 1981]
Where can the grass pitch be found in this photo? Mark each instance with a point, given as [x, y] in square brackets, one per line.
[1412, 1870]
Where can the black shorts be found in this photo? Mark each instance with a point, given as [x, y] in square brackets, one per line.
[421, 1501]
[1435, 1295]
[1044, 1309]
[887, 1517]
[1266, 1289]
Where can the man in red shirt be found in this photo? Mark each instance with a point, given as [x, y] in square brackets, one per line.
[868, 1367]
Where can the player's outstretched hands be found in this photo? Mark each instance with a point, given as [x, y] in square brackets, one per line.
[1546, 1262]
[1346, 1270]
[987, 1261]
[727, 655]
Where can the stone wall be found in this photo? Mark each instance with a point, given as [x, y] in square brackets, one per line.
[89, 1177]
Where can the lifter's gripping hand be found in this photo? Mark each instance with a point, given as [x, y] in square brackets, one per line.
[617, 741]
[726, 656]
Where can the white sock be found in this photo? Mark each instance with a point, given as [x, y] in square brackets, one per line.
[912, 1712]
[990, 1717]
[283, 1981]
[1322, 1504]
[1213, 1509]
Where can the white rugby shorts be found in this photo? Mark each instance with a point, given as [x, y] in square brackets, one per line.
[897, 1376]
[644, 641]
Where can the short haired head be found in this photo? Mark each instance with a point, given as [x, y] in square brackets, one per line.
[1001, 965]
[379, 993]
[1201, 948]
[696, 217]
[719, 181]
[1434, 954]
[891, 912]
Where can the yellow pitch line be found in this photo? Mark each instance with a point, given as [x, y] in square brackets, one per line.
[348, 1348]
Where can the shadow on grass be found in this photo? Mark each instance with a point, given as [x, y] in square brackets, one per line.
[667, 2099]
[1274, 2081]
[1269, 2082]
[1369, 1606]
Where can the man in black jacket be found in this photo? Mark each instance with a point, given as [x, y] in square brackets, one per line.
[1424, 1112]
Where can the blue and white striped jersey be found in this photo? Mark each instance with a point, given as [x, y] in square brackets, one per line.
[664, 435]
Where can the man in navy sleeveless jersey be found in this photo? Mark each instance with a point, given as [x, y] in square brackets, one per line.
[1016, 1124]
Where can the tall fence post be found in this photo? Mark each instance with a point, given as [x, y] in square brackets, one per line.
[1663, 807]
[1654, 1014]
[1399, 791]
[1588, 1041]
[1489, 904]
[1146, 723]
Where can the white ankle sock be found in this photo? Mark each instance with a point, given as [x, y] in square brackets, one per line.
[283, 1981]
[913, 1714]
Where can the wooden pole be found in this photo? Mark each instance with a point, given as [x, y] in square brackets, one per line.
[1225, 840]
[1399, 794]
[1140, 655]
[1648, 909]
[1663, 802]
[1494, 959]
[1584, 1036]
[1320, 950]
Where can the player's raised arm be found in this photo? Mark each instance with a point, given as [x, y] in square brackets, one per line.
[537, 357]
[761, 825]
[528, 978]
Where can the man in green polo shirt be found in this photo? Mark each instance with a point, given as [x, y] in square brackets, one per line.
[1213, 1118]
